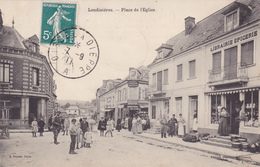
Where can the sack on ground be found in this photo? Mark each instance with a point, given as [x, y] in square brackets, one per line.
[190, 138]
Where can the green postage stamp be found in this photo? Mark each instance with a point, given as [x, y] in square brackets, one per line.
[58, 21]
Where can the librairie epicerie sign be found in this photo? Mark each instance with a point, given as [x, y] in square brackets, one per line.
[233, 41]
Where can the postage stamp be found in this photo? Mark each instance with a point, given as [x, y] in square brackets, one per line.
[57, 17]
[74, 61]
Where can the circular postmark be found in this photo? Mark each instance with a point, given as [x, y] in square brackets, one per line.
[76, 60]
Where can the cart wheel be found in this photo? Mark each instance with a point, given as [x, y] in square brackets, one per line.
[7, 132]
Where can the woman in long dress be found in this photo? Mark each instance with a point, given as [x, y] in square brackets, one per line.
[223, 125]
[134, 125]
[181, 123]
[139, 125]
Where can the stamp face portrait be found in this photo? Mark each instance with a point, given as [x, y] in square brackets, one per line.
[57, 17]
[74, 61]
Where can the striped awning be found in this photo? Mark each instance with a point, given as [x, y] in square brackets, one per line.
[232, 91]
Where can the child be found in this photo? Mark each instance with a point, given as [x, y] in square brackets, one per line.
[73, 134]
[87, 139]
[34, 127]
[79, 133]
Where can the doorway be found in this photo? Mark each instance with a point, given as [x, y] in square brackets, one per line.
[33, 107]
[193, 114]
[232, 102]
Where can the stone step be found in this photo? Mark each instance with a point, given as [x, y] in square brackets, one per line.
[209, 142]
[220, 140]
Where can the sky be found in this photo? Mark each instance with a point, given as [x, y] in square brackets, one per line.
[125, 39]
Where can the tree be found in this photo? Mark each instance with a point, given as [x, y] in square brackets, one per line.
[67, 105]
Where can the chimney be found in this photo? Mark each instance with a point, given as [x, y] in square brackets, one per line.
[1, 20]
[189, 24]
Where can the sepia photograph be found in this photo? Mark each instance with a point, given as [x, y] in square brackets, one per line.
[129, 83]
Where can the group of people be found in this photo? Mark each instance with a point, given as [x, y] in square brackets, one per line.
[137, 124]
[173, 126]
[37, 126]
[107, 126]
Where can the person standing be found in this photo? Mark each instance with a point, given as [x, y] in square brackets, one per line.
[84, 127]
[66, 125]
[147, 123]
[34, 127]
[126, 122]
[130, 123]
[50, 123]
[41, 125]
[144, 124]
[195, 122]
[223, 125]
[181, 124]
[78, 135]
[73, 134]
[134, 125]
[102, 126]
[139, 128]
[118, 125]
[109, 127]
[164, 127]
[171, 124]
[56, 126]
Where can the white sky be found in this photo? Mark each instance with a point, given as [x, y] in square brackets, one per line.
[126, 39]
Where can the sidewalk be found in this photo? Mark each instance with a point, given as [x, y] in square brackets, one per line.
[222, 153]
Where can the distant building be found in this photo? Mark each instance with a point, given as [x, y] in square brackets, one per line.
[26, 79]
[73, 110]
[126, 97]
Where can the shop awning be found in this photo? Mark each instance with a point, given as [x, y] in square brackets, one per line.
[232, 91]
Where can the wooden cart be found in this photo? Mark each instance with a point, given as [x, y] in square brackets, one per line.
[4, 109]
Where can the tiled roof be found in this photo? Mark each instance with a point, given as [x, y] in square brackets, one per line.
[11, 38]
[209, 28]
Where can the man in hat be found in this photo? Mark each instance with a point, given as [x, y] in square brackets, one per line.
[84, 128]
[73, 134]
[56, 126]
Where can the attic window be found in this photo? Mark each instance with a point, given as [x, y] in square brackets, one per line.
[160, 55]
[232, 20]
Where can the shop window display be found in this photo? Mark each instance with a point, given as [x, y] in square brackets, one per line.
[215, 109]
[251, 109]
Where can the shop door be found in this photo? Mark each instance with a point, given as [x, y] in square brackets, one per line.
[33, 107]
[230, 63]
[232, 100]
[193, 112]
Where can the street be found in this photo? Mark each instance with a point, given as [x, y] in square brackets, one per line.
[124, 149]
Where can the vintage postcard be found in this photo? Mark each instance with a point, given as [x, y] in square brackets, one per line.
[156, 83]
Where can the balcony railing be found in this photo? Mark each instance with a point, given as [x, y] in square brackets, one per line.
[237, 71]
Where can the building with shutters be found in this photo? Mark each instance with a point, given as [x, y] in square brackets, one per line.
[125, 97]
[213, 63]
[27, 88]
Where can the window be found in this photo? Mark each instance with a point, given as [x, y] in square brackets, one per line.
[215, 109]
[247, 53]
[153, 112]
[165, 74]
[4, 72]
[154, 80]
[179, 72]
[216, 65]
[160, 55]
[119, 95]
[159, 81]
[192, 69]
[251, 109]
[232, 21]
[35, 76]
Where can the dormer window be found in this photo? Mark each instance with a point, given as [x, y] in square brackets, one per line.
[232, 20]
[160, 55]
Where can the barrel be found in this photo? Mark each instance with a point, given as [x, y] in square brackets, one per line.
[236, 146]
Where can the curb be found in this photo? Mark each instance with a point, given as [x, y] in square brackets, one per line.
[219, 155]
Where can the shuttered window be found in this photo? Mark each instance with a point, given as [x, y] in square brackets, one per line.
[247, 53]
[192, 71]
[165, 75]
[159, 81]
[216, 62]
[179, 72]
[4, 72]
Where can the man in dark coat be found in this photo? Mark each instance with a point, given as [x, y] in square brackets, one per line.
[171, 124]
[84, 128]
[56, 126]
[102, 126]
[130, 123]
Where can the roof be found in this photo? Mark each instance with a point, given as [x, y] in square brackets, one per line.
[210, 28]
[11, 38]
[73, 107]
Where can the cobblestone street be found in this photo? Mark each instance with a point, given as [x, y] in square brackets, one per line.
[124, 149]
